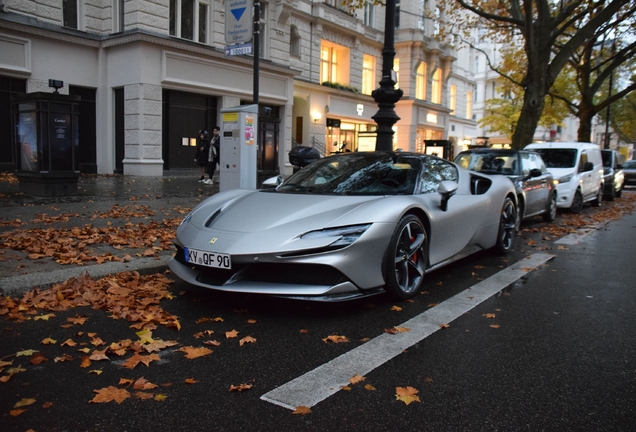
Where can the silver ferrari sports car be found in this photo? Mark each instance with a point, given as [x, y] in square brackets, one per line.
[346, 226]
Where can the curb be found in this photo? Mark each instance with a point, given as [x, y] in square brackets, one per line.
[19, 285]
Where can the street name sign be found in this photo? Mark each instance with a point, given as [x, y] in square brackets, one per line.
[238, 21]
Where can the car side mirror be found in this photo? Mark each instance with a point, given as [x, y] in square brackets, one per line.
[272, 182]
[446, 189]
[588, 166]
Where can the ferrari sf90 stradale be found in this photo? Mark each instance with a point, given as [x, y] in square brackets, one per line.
[346, 226]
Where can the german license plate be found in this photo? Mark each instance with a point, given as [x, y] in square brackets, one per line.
[208, 259]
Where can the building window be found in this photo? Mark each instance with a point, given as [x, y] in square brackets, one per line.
[453, 99]
[436, 90]
[396, 68]
[294, 41]
[368, 74]
[334, 63]
[397, 13]
[469, 105]
[70, 13]
[189, 19]
[420, 82]
[438, 20]
[369, 14]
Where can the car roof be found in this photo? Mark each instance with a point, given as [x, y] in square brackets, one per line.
[562, 145]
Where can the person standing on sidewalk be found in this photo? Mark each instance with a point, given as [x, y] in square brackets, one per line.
[201, 156]
[213, 154]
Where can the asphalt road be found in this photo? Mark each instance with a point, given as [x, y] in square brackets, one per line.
[554, 350]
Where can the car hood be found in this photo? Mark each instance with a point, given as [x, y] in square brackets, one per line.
[259, 211]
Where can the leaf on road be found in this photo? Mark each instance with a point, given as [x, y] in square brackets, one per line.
[16, 412]
[231, 334]
[396, 308]
[24, 402]
[395, 330]
[251, 321]
[247, 339]
[212, 343]
[38, 358]
[78, 320]
[145, 336]
[356, 379]
[240, 387]
[138, 358]
[99, 355]
[96, 371]
[407, 394]
[109, 394]
[369, 387]
[69, 342]
[302, 410]
[495, 326]
[335, 339]
[28, 352]
[190, 381]
[161, 397]
[192, 352]
[86, 362]
[48, 341]
[43, 317]
[144, 384]
[444, 326]
[490, 315]
[143, 395]
[63, 358]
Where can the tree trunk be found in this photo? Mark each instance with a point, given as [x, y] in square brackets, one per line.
[533, 102]
[586, 114]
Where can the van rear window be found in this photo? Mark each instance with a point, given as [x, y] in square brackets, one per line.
[558, 158]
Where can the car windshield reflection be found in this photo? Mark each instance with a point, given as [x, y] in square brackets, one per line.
[558, 158]
[356, 174]
[491, 162]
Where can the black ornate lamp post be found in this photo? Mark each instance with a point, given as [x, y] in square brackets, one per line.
[386, 95]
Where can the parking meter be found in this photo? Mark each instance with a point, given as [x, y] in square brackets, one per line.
[237, 159]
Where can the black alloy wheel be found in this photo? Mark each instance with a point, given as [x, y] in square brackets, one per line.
[406, 258]
[507, 227]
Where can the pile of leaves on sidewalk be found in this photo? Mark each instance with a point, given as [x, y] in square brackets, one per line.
[73, 244]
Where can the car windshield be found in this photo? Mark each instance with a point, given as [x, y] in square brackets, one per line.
[558, 158]
[630, 164]
[491, 162]
[356, 174]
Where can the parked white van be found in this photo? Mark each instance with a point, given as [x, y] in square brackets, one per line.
[578, 168]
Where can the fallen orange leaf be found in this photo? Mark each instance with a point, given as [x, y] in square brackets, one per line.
[407, 394]
[192, 352]
[109, 394]
[302, 410]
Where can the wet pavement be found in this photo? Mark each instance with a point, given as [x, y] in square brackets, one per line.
[144, 206]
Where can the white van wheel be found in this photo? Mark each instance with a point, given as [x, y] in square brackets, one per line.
[577, 202]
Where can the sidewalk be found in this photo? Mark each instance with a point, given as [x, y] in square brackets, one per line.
[128, 211]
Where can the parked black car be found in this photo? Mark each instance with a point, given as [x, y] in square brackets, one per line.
[536, 191]
[613, 176]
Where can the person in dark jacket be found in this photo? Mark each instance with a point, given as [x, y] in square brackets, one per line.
[201, 156]
[213, 154]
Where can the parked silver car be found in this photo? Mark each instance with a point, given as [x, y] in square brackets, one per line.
[536, 192]
[346, 226]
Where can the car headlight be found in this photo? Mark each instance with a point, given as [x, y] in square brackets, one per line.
[565, 179]
[346, 235]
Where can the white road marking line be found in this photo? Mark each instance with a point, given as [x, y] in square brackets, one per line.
[324, 381]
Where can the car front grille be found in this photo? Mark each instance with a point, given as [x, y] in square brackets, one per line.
[277, 273]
